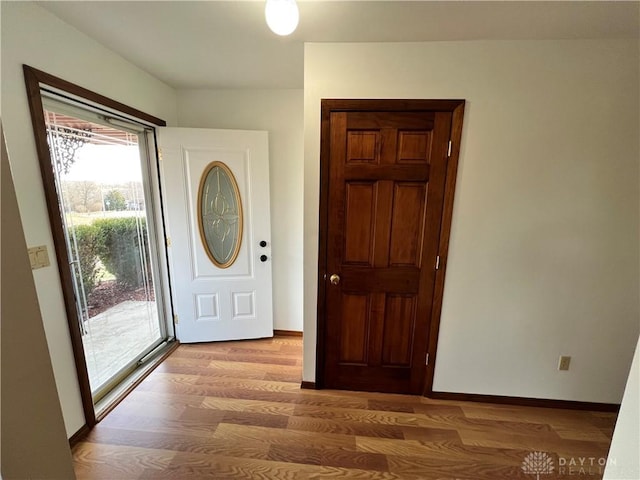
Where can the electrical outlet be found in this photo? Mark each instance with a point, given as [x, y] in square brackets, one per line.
[563, 363]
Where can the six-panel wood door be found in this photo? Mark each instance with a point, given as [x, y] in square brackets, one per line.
[386, 185]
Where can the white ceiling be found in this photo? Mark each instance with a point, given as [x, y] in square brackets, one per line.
[226, 44]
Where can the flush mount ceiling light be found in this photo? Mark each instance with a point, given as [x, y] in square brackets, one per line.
[282, 16]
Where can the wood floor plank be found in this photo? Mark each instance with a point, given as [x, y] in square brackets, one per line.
[178, 443]
[294, 398]
[162, 377]
[404, 465]
[244, 405]
[231, 344]
[161, 426]
[294, 377]
[294, 348]
[256, 419]
[295, 454]
[134, 408]
[425, 434]
[109, 462]
[235, 410]
[396, 447]
[417, 420]
[551, 416]
[274, 436]
[248, 384]
[451, 451]
[205, 372]
[350, 414]
[176, 400]
[193, 466]
[320, 425]
[584, 432]
[282, 353]
[391, 406]
[336, 457]
[331, 457]
[245, 366]
[273, 358]
[437, 410]
[569, 448]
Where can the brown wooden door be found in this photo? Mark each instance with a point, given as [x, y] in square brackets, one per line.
[385, 198]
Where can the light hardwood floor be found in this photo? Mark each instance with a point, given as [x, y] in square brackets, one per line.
[235, 410]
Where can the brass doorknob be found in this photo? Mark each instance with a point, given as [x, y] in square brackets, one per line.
[334, 279]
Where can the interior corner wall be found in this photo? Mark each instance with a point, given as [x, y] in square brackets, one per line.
[623, 462]
[543, 258]
[33, 36]
[281, 113]
[35, 442]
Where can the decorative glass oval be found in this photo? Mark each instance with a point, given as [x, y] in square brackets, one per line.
[220, 214]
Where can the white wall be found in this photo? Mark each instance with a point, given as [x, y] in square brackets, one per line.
[544, 246]
[624, 454]
[33, 36]
[280, 112]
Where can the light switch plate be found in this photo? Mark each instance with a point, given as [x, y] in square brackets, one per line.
[39, 257]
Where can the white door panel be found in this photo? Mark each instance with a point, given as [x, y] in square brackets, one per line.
[214, 303]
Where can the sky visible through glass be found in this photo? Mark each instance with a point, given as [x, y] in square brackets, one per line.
[108, 164]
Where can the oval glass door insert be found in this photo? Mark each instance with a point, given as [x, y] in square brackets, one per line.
[220, 214]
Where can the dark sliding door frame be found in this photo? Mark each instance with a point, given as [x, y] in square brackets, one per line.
[36, 80]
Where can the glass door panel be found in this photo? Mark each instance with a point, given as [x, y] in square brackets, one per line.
[103, 199]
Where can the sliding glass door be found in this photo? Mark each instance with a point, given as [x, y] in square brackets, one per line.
[101, 173]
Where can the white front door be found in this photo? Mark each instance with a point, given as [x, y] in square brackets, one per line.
[221, 289]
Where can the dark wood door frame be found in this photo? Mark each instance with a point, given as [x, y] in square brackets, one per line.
[35, 80]
[456, 107]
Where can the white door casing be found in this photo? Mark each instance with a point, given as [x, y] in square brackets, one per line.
[213, 303]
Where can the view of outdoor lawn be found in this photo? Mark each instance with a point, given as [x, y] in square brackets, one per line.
[108, 243]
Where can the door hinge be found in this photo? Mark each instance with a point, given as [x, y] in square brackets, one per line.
[168, 241]
[175, 319]
[438, 262]
[449, 150]
[160, 153]
[426, 360]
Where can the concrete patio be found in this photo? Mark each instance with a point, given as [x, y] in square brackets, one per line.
[116, 336]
